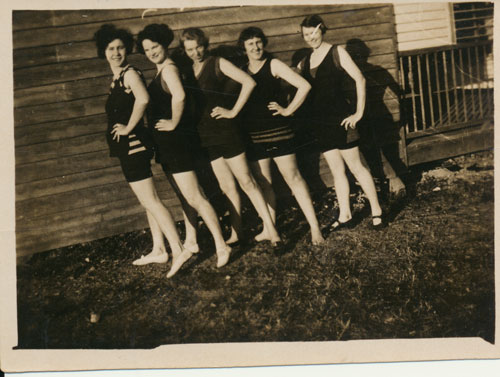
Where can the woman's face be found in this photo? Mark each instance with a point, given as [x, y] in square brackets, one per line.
[313, 36]
[254, 48]
[154, 51]
[194, 51]
[116, 53]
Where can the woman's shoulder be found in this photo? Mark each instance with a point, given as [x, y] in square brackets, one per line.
[131, 73]
[130, 69]
[276, 66]
[169, 67]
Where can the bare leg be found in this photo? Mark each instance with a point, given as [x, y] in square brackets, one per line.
[190, 189]
[241, 171]
[288, 168]
[191, 224]
[228, 186]
[337, 167]
[146, 193]
[262, 172]
[159, 252]
[189, 215]
[365, 179]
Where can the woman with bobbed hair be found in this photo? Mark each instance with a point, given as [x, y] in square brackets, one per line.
[333, 120]
[215, 110]
[174, 138]
[129, 140]
[264, 118]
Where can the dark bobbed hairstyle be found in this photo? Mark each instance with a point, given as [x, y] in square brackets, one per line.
[314, 20]
[159, 33]
[107, 33]
[194, 34]
[249, 33]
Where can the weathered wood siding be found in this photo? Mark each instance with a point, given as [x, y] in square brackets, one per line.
[67, 188]
[423, 25]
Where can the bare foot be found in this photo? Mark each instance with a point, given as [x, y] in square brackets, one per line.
[317, 238]
[262, 236]
[223, 256]
[152, 257]
[192, 247]
[233, 238]
[178, 261]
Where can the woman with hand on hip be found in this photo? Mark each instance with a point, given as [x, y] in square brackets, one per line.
[219, 134]
[173, 134]
[128, 139]
[265, 121]
[331, 117]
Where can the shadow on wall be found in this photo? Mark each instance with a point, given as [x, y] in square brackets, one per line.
[379, 132]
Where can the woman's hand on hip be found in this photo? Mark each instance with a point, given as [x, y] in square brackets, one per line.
[278, 109]
[119, 130]
[165, 125]
[351, 121]
[220, 112]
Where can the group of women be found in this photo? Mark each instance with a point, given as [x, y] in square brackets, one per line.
[240, 133]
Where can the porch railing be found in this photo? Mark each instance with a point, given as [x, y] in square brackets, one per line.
[447, 88]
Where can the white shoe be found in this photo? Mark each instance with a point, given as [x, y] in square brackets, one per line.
[147, 259]
[178, 262]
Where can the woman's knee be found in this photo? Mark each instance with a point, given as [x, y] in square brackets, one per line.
[247, 182]
[150, 203]
[195, 198]
[293, 177]
[228, 187]
[264, 182]
[357, 168]
[338, 171]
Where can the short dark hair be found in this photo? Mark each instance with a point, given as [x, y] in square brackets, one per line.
[194, 34]
[314, 20]
[159, 33]
[107, 33]
[249, 33]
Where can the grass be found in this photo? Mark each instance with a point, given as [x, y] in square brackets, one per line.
[430, 273]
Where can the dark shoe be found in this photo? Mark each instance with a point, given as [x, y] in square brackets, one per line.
[337, 225]
[278, 247]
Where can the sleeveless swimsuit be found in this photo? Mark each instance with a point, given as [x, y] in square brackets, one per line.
[259, 122]
[213, 88]
[327, 104]
[173, 148]
[119, 107]
[136, 149]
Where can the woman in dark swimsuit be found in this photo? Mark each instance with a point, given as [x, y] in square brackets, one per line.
[219, 135]
[127, 138]
[331, 117]
[264, 119]
[174, 133]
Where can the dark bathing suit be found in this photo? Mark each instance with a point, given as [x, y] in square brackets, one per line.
[270, 135]
[134, 150]
[173, 148]
[326, 103]
[219, 137]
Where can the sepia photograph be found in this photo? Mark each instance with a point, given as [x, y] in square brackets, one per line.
[241, 184]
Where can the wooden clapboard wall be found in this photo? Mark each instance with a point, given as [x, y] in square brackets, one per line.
[423, 25]
[67, 188]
